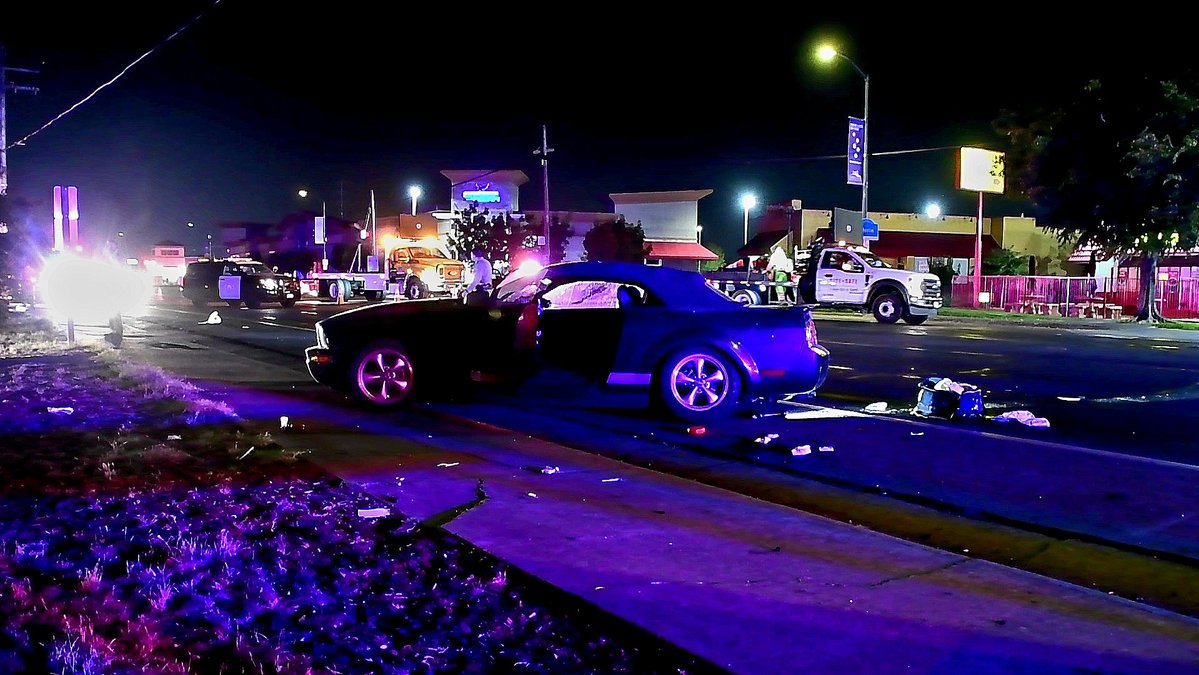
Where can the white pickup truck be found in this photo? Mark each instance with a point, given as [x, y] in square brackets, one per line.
[841, 276]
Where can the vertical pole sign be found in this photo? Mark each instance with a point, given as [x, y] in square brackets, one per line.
[853, 170]
[59, 239]
[980, 171]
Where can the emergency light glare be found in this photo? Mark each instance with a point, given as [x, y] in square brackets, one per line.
[528, 267]
[933, 210]
[90, 290]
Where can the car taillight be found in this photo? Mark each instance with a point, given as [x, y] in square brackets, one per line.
[810, 331]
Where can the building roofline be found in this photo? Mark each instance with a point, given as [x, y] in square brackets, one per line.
[621, 198]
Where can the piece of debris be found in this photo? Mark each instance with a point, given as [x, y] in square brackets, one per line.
[550, 470]
[825, 448]
[246, 454]
[64, 410]
[697, 431]
[1023, 417]
[759, 416]
[878, 407]
[610, 480]
[212, 320]
[944, 398]
[1070, 399]
[284, 422]
[374, 513]
[767, 439]
[446, 465]
[174, 437]
[532, 494]
[245, 326]
[800, 450]
[917, 433]
[18, 307]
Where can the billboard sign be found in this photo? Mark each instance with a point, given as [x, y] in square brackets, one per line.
[980, 170]
[857, 133]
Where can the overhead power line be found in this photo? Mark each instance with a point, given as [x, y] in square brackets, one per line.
[172, 36]
[780, 160]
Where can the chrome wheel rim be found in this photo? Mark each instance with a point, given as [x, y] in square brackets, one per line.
[886, 308]
[384, 376]
[699, 382]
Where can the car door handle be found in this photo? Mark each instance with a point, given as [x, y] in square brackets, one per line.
[828, 276]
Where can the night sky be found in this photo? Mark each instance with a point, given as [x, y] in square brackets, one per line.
[257, 100]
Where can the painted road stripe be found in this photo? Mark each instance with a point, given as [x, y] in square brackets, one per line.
[1015, 439]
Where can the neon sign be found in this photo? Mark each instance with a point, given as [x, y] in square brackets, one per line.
[482, 193]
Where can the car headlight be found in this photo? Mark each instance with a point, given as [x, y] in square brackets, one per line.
[268, 283]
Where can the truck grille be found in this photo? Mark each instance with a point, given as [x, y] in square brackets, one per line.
[930, 288]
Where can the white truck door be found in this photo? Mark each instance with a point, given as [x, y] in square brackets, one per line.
[841, 278]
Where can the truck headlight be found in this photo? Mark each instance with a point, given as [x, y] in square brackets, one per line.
[269, 284]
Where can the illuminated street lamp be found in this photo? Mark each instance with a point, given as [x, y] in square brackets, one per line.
[303, 194]
[191, 224]
[932, 210]
[748, 201]
[414, 192]
[826, 54]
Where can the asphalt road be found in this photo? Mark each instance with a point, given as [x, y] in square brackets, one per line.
[1099, 389]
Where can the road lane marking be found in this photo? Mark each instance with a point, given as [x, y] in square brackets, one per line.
[840, 368]
[1163, 347]
[283, 325]
[914, 349]
[975, 354]
[1018, 439]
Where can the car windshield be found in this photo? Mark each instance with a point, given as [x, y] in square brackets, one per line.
[418, 252]
[254, 268]
[873, 260]
[520, 288]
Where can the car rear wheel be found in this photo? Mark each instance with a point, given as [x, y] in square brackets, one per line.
[382, 375]
[887, 308]
[287, 302]
[914, 320]
[699, 384]
[746, 296]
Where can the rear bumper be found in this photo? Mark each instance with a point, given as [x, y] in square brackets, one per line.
[803, 378]
[323, 368]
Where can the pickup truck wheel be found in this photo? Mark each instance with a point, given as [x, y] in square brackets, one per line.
[888, 308]
[746, 296]
[699, 384]
[416, 290]
[382, 375]
[914, 320]
[374, 295]
[287, 302]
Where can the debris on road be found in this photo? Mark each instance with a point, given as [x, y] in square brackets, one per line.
[825, 448]
[879, 407]
[800, 450]
[1070, 399]
[64, 410]
[246, 453]
[1023, 417]
[550, 470]
[446, 465]
[374, 513]
[766, 440]
[284, 422]
[532, 494]
[610, 480]
[212, 320]
[697, 431]
[917, 433]
[174, 437]
[942, 397]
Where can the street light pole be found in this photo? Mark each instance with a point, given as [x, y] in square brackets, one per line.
[748, 201]
[827, 54]
[414, 192]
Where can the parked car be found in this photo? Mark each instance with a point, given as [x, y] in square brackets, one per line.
[625, 325]
[237, 280]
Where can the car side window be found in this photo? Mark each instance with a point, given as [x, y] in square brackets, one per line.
[582, 295]
[833, 260]
[230, 269]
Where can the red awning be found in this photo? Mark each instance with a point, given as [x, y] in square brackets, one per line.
[679, 250]
[929, 244]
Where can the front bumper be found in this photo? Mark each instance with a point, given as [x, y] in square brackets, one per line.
[924, 306]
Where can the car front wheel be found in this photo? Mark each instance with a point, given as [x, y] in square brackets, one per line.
[699, 384]
[416, 290]
[382, 375]
[914, 320]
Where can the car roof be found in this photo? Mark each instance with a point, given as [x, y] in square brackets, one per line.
[678, 288]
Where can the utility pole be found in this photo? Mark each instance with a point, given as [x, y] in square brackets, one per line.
[5, 87]
[545, 151]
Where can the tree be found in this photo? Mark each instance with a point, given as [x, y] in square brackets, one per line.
[617, 241]
[1005, 262]
[713, 265]
[1117, 168]
[503, 238]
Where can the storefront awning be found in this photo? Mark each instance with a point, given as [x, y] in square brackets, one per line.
[679, 250]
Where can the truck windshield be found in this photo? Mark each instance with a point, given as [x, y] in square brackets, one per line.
[254, 268]
[416, 252]
[873, 260]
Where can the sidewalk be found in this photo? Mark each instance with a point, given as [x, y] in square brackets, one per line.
[752, 586]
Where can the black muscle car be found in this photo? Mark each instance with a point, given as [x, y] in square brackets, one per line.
[622, 324]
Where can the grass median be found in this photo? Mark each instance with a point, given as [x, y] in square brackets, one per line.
[145, 529]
